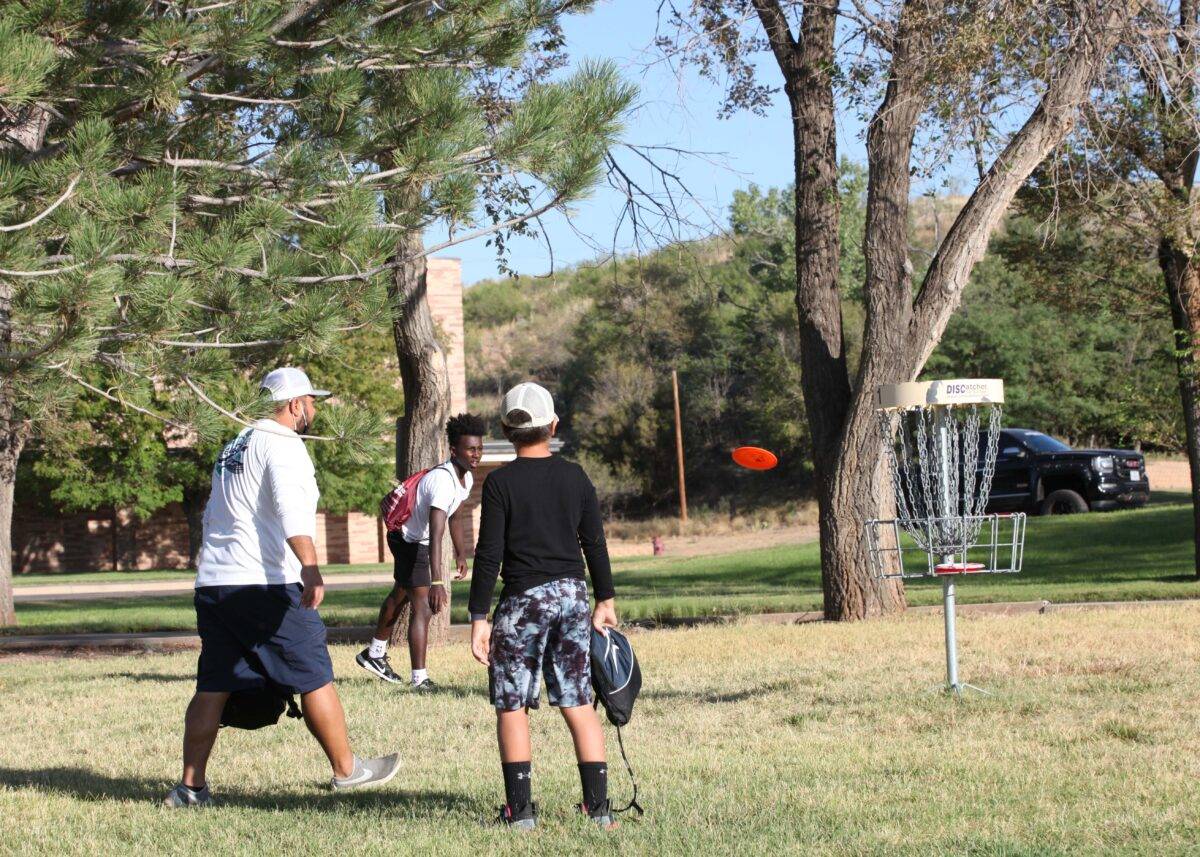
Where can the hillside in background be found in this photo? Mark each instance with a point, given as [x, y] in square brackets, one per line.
[606, 337]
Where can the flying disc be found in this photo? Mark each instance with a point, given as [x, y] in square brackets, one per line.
[755, 458]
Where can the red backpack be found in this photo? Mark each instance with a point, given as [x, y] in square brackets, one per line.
[396, 507]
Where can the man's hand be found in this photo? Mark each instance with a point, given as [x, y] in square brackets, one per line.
[437, 598]
[481, 641]
[604, 616]
[314, 587]
[461, 563]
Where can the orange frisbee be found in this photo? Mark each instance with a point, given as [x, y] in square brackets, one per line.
[755, 458]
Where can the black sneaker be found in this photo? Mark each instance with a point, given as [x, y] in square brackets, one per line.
[602, 816]
[524, 818]
[426, 686]
[378, 667]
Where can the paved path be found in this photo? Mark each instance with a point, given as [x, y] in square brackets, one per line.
[153, 588]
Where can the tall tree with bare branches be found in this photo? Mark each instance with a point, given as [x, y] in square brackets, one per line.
[999, 80]
[1131, 168]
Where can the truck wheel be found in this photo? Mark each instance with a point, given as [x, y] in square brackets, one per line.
[1064, 501]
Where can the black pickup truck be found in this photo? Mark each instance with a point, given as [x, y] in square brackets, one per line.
[1035, 472]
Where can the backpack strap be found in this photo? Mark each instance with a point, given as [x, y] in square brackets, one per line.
[633, 803]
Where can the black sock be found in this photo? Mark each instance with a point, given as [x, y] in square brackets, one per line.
[594, 778]
[518, 790]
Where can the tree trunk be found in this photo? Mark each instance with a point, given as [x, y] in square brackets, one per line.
[901, 332]
[194, 501]
[12, 440]
[843, 500]
[23, 128]
[1181, 275]
[420, 435]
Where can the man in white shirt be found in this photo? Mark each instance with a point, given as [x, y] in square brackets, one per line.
[417, 549]
[258, 587]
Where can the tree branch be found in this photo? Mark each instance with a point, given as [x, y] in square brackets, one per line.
[779, 33]
[16, 227]
[1096, 35]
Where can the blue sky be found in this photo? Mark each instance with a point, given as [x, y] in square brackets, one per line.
[671, 112]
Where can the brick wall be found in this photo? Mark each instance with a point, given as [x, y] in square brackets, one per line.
[443, 282]
[85, 542]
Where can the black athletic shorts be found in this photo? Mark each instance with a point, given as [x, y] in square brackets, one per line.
[411, 568]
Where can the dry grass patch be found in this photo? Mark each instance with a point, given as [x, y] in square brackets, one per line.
[747, 739]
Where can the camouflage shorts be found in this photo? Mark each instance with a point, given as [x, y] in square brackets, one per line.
[543, 632]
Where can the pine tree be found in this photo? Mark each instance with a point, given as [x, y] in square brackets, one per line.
[189, 194]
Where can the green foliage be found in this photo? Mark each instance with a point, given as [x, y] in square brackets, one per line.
[186, 232]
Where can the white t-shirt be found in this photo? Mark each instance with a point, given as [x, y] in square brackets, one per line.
[264, 491]
[440, 488]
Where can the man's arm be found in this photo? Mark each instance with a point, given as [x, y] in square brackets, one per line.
[458, 537]
[437, 529]
[310, 573]
[294, 493]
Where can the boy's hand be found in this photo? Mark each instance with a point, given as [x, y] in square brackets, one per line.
[481, 641]
[604, 616]
[461, 562]
[437, 598]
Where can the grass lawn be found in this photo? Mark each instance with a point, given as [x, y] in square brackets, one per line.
[747, 739]
[1117, 556]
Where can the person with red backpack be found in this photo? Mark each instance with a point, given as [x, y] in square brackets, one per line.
[416, 514]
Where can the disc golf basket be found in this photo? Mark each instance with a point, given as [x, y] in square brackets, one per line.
[940, 440]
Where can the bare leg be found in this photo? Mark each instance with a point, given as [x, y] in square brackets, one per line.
[325, 719]
[389, 612]
[418, 626]
[585, 732]
[200, 727]
[512, 731]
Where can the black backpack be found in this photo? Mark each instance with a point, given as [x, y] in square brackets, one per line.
[617, 680]
[254, 709]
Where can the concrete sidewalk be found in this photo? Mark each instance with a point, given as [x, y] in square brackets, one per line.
[154, 588]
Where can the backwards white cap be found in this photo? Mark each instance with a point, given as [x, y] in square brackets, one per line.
[287, 383]
[534, 400]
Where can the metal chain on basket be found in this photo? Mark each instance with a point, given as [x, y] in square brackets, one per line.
[970, 469]
[902, 479]
[960, 514]
[989, 459]
[952, 523]
[921, 415]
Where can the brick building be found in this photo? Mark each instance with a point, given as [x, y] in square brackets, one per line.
[99, 541]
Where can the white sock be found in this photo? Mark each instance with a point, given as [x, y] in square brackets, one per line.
[419, 676]
[378, 648]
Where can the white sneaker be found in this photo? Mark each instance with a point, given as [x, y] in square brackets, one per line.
[182, 797]
[368, 773]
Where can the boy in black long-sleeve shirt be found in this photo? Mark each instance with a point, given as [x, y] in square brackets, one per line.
[538, 513]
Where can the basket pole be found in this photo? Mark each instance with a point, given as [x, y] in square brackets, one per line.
[949, 508]
[951, 643]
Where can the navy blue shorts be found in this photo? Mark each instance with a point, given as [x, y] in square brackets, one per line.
[249, 634]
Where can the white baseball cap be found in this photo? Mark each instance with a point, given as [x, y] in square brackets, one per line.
[534, 400]
[287, 383]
